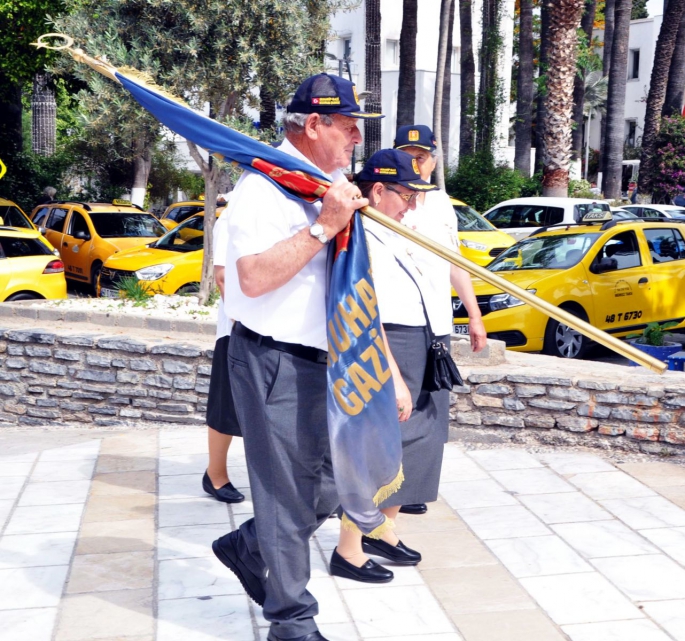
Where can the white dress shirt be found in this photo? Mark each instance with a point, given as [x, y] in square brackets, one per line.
[436, 219]
[220, 242]
[259, 216]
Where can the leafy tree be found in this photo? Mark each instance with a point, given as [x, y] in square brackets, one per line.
[213, 53]
[447, 88]
[668, 173]
[639, 10]
[490, 89]
[663, 54]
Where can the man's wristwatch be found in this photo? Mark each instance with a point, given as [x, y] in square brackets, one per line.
[316, 230]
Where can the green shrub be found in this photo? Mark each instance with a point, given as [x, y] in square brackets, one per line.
[482, 183]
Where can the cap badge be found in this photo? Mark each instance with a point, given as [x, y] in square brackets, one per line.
[413, 135]
[356, 97]
[415, 165]
[326, 100]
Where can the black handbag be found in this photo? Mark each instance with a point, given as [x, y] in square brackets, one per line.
[441, 371]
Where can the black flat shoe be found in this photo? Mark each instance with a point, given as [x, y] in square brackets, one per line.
[226, 494]
[225, 549]
[370, 572]
[400, 553]
[312, 636]
[414, 508]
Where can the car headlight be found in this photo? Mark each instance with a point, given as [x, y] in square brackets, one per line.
[154, 273]
[505, 301]
[472, 245]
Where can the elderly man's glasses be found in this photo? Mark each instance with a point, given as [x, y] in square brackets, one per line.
[408, 198]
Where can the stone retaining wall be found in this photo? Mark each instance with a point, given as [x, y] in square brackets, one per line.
[52, 378]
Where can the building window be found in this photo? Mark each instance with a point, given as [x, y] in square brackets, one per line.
[347, 48]
[392, 53]
[456, 60]
[634, 64]
[631, 132]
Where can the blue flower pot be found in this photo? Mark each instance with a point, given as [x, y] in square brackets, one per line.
[661, 352]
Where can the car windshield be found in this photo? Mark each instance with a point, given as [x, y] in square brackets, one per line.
[676, 213]
[11, 216]
[125, 225]
[470, 220]
[187, 237]
[546, 252]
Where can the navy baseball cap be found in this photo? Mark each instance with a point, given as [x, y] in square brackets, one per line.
[324, 94]
[394, 166]
[419, 136]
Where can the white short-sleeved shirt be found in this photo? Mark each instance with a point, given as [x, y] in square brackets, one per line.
[259, 216]
[223, 322]
[436, 219]
[399, 299]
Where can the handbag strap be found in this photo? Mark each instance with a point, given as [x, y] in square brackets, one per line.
[401, 264]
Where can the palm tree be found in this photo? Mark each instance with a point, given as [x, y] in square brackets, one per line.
[488, 91]
[563, 32]
[609, 20]
[439, 86]
[372, 126]
[586, 24]
[447, 89]
[675, 91]
[524, 90]
[541, 110]
[594, 102]
[406, 90]
[44, 116]
[616, 98]
[665, 45]
[467, 80]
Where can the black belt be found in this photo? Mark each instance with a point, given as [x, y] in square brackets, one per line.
[301, 351]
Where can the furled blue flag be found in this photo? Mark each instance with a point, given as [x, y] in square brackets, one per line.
[366, 443]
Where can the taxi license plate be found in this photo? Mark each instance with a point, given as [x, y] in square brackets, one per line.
[109, 293]
[461, 329]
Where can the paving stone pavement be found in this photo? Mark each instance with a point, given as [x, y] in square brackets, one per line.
[108, 538]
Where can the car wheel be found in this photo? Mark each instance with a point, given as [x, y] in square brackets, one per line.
[22, 296]
[564, 341]
[95, 275]
[190, 288]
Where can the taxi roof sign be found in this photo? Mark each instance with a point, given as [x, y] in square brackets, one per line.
[121, 201]
[597, 216]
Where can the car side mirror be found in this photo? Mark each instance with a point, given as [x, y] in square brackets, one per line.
[42, 230]
[82, 235]
[604, 265]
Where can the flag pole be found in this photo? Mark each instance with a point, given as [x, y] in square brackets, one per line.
[106, 69]
[613, 343]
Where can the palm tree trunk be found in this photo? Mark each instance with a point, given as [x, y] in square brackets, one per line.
[675, 92]
[372, 127]
[564, 22]
[609, 23]
[437, 100]
[406, 89]
[615, 126]
[524, 91]
[267, 109]
[665, 45]
[43, 116]
[447, 90]
[586, 24]
[541, 111]
[486, 108]
[467, 80]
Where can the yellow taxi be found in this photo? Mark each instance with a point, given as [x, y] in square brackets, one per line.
[87, 234]
[176, 213]
[11, 215]
[28, 267]
[480, 240]
[617, 275]
[170, 265]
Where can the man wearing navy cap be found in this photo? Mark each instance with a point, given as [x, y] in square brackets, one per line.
[434, 217]
[275, 283]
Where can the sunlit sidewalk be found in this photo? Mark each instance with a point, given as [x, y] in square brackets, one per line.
[108, 536]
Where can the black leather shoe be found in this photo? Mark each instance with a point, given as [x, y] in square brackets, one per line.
[226, 494]
[370, 572]
[414, 508]
[312, 636]
[226, 551]
[400, 553]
